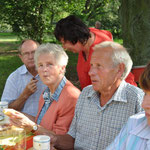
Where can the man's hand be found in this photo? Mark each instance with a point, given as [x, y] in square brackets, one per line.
[31, 87]
[28, 91]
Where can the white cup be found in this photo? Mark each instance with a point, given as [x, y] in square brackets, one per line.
[41, 142]
[3, 105]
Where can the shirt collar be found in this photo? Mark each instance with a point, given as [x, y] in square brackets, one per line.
[119, 95]
[24, 70]
[92, 94]
[55, 96]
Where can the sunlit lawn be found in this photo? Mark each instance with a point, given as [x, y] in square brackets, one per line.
[8, 41]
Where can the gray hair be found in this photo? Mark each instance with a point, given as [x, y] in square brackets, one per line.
[57, 51]
[119, 55]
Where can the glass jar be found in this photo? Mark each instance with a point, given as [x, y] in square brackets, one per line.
[11, 137]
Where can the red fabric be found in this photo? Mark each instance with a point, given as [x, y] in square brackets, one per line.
[29, 142]
[137, 71]
[107, 33]
[130, 79]
[83, 66]
[60, 114]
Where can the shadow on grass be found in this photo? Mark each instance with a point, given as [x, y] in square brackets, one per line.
[8, 46]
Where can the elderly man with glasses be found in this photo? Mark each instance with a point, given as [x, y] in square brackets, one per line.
[23, 87]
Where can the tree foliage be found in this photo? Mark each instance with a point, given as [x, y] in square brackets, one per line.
[29, 18]
[36, 19]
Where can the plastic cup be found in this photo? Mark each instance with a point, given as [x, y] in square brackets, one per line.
[3, 105]
[41, 142]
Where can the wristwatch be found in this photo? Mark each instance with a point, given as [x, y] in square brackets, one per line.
[34, 128]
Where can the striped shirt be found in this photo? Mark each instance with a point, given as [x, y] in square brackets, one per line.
[95, 127]
[134, 136]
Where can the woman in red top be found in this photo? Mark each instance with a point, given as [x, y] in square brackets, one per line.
[75, 36]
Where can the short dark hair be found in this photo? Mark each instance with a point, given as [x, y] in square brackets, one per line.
[72, 29]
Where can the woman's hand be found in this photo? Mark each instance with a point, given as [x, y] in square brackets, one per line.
[18, 119]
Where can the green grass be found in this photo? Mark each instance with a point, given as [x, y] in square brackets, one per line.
[8, 64]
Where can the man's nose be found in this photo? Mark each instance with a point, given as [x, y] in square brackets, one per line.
[91, 71]
[31, 55]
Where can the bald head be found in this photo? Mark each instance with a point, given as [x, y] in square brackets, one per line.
[28, 43]
[26, 54]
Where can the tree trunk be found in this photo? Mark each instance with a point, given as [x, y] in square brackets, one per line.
[135, 20]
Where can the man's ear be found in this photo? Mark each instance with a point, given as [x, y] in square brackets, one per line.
[20, 56]
[121, 69]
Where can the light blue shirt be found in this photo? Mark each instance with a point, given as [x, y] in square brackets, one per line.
[49, 98]
[16, 83]
[95, 127]
[134, 136]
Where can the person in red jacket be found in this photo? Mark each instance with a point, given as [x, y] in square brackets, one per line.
[75, 36]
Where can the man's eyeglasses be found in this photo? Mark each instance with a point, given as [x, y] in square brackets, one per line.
[27, 54]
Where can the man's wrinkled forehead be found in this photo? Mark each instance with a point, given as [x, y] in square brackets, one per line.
[103, 49]
[29, 45]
